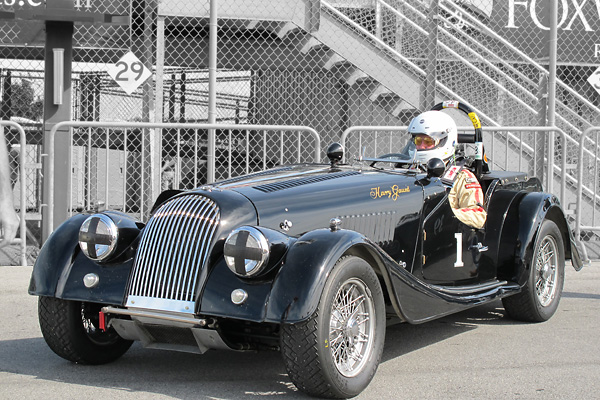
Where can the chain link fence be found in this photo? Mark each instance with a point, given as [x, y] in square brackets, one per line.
[328, 64]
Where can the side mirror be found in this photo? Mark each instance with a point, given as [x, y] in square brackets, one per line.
[335, 152]
[435, 168]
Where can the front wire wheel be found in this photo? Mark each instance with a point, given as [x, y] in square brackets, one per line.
[336, 352]
[539, 298]
[351, 327]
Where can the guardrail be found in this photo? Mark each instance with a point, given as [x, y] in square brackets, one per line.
[22, 226]
[49, 224]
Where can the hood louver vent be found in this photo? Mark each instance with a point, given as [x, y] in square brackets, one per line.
[254, 175]
[276, 186]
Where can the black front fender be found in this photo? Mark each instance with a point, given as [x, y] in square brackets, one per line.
[55, 257]
[60, 268]
[297, 288]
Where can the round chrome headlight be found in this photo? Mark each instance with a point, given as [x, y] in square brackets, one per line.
[98, 237]
[246, 251]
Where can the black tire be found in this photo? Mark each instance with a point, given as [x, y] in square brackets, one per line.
[539, 298]
[312, 350]
[71, 330]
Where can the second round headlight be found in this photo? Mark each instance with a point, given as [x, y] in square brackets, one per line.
[246, 251]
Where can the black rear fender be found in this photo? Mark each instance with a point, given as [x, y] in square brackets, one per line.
[531, 210]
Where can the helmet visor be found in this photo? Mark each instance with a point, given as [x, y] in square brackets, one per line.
[425, 142]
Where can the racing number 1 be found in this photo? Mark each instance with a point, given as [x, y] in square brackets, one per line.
[459, 262]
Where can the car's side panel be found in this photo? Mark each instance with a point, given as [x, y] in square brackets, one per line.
[502, 224]
[297, 289]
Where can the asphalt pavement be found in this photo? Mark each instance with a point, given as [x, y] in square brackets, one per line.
[477, 354]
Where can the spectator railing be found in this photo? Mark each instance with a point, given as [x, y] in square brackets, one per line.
[67, 126]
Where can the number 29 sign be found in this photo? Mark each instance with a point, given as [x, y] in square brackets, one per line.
[129, 72]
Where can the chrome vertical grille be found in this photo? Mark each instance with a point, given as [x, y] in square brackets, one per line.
[173, 250]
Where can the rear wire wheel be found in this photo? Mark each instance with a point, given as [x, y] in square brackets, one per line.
[539, 298]
[71, 329]
[336, 352]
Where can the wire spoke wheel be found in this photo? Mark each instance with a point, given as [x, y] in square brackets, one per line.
[546, 268]
[351, 327]
[335, 352]
[541, 292]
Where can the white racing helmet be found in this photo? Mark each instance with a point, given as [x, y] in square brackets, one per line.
[441, 128]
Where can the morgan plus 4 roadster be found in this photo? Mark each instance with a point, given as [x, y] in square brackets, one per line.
[310, 260]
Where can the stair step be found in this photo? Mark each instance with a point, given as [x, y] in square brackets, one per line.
[333, 59]
[285, 28]
[310, 43]
[380, 91]
[352, 75]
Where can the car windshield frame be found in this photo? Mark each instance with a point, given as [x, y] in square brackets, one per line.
[407, 156]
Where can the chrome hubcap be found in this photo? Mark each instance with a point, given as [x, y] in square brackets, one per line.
[546, 266]
[351, 327]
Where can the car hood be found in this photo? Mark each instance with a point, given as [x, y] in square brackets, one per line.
[298, 199]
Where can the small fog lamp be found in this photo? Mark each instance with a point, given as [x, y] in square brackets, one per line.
[239, 296]
[91, 280]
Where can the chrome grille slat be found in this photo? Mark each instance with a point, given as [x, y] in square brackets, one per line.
[154, 226]
[172, 251]
[205, 247]
[174, 233]
[161, 219]
[176, 290]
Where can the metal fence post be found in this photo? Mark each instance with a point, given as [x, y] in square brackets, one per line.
[158, 105]
[552, 53]
[212, 91]
[428, 97]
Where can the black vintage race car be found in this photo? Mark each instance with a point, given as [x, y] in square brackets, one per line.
[310, 260]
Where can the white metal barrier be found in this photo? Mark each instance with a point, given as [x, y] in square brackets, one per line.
[591, 191]
[23, 200]
[159, 128]
[513, 134]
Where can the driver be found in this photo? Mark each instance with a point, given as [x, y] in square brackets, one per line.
[435, 135]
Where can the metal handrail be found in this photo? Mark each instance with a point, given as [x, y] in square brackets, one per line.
[22, 225]
[154, 125]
